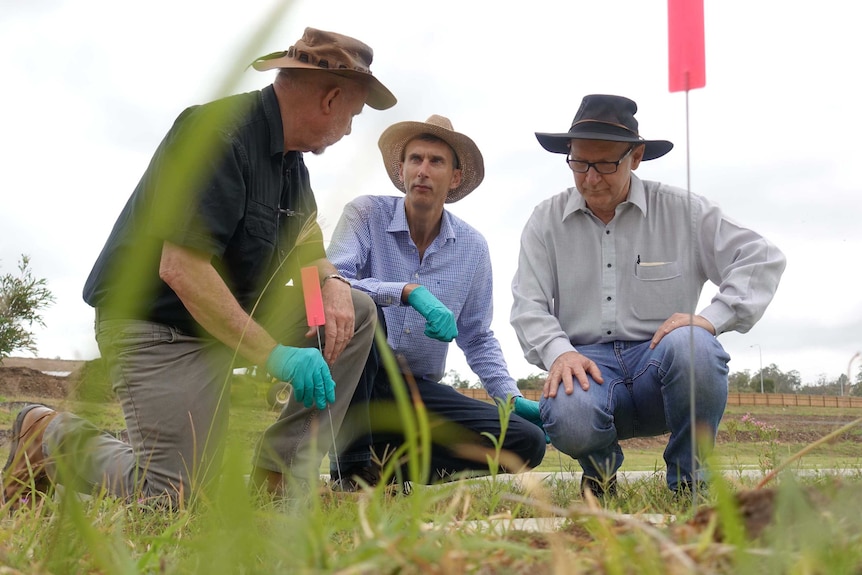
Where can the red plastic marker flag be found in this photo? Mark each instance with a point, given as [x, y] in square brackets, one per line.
[313, 297]
[686, 55]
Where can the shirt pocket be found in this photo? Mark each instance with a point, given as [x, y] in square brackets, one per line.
[452, 294]
[659, 290]
[261, 221]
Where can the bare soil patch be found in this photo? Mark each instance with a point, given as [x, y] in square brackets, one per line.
[27, 383]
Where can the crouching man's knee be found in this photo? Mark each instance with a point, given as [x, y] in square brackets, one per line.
[576, 426]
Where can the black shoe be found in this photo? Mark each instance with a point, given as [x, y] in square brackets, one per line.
[598, 487]
[683, 491]
[370, 475]
[356, 479]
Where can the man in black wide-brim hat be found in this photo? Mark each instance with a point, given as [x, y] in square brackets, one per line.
[609, 274]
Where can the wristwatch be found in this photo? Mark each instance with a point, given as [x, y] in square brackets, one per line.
[335, 277]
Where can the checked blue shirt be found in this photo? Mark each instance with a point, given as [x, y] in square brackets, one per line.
[371, 246]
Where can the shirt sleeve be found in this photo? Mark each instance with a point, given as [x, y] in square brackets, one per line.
[533, 288]
[745, 266]
[350, 252]
[475, 337]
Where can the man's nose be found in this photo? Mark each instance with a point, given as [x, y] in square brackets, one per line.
[423, 168]
[592, 174]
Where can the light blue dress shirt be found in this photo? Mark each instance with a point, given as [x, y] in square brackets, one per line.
[372, 247]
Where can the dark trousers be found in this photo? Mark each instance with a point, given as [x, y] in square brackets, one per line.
[457, 424]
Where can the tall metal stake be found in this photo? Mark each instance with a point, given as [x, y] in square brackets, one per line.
[329, 411]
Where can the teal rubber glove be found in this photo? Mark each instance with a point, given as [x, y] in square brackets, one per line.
[306, 371]
[439, 319]
[529, 410]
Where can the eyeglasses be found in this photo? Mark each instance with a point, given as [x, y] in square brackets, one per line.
[581, 167]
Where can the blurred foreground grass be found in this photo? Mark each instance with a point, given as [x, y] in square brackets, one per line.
[811, 526]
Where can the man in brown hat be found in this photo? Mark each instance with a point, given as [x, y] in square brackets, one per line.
[192, 283]
[429, 273]
[610, 272]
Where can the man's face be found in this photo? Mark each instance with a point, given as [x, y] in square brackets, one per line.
[604, 192]
[346, 106]
[428, 172]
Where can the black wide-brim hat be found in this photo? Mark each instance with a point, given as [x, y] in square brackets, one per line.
[608, 118]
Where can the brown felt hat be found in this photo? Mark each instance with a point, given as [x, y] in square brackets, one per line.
[603, 117]
[394, 139]
[334, 53]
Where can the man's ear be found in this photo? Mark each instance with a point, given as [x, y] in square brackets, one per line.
[456, 179]
[637, 156]
[329, 98]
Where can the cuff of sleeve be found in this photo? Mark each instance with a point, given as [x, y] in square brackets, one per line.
[719, 315]
[555, 349]
[389, 294]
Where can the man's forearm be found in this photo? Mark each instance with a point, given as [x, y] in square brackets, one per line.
[208, 299]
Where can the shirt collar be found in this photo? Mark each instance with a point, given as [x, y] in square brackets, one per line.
[637, 197]
[399, 222]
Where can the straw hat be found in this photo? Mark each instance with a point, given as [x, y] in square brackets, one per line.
[333, 53]
[395, 138]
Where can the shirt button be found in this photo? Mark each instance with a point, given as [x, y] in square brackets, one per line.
[610, 298]
[608, 232]
[407, 330]
[609, 265]
[609, 332]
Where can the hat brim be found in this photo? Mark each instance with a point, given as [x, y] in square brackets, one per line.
[559, 143]
[379, 96]
[394, 139]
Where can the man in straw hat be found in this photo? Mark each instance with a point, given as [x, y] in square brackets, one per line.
[609, 274]
[429, 272]
[222, 220]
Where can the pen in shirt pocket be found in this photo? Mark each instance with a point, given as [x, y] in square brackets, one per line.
[638, 262]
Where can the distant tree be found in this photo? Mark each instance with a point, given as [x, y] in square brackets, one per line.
[22, 297]
[534, 381]
[741, 381]
[843, 384]
[777, 381]
[454, 379]
[824, 386]
[856, 388]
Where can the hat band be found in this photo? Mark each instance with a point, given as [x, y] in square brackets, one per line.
[307, 58]
[615, 125]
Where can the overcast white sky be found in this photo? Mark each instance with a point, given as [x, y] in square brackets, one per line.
[89, 89]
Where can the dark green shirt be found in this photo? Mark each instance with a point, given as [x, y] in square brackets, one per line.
[219, 183]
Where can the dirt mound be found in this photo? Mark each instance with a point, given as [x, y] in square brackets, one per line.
[24, 382]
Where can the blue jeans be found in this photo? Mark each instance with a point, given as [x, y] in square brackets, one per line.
[645, 393]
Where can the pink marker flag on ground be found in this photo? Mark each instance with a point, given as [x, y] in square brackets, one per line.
[686, 54]
[313, 297]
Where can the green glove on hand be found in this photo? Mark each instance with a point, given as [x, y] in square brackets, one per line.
[529, 410]
[305, 370]
[440, 321]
